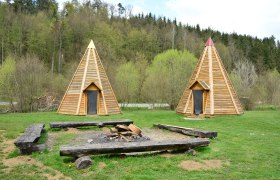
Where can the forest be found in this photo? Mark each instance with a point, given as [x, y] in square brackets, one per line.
[148, 58]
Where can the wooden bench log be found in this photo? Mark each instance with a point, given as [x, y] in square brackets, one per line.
[83, 162]
[127, 147]
[30, 136]
[74, 124]
[188, 131]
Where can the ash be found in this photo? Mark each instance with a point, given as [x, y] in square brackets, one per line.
[104, 138]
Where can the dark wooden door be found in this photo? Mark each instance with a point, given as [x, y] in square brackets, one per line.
[198, 101]
[92, 102]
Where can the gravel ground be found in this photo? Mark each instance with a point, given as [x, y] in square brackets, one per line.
[91, 136]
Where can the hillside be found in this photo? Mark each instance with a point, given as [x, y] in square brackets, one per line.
[58, 39]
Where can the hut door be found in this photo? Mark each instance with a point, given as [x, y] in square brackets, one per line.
[92, 102]
[198, 98]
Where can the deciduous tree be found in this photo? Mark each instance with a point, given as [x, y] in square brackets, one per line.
[30, 80]
[127, 82]
[168, 76]
[7, 76]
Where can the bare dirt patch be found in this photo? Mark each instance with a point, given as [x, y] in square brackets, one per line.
[101, 165]
[13, 162]
[51, 140]
[167, 155]
[106, 130]
[73, 130]
[94, 136]
[53, 136]
[203, 165]
[159, 134]
[8, 146]
[214, 164]
[89, 172]
[194, 119]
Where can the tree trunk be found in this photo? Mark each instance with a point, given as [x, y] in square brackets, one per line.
[60, 53]
[52, 64]
[2, 51]
[172, 106]
[185, 40]
[173, 36]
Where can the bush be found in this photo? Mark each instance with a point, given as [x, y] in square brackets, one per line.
[30, 78]
[168, 76]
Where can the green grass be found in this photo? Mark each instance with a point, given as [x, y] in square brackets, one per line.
[250, 143]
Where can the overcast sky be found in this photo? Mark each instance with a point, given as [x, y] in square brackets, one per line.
[259, 18]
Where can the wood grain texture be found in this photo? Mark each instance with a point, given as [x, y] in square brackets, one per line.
[210, 74]
[127, 147]
[26, 142]
[90, 71]
[83, 162]
[221, 98]
[74, 124]
[188, 131]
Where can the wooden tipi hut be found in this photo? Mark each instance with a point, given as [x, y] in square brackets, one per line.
[89, 91]
[209, 91]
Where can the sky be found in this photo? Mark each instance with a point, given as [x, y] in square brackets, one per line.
[259, 18]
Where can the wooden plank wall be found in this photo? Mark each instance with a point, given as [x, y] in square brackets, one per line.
[91, 75]
[184, 103]
[225, 97]
[230, 85]
[107, 102]
[223, 102]
[69, 103]
[83, 106]
[111, 102]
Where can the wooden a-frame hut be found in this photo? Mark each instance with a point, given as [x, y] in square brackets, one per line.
[209, 91]
[89, 91]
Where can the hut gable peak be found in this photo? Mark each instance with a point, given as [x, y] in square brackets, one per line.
[92, 83]
[202, 83]
[91, 45]
[209, 42]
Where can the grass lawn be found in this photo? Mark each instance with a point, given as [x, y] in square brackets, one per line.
[249, 146]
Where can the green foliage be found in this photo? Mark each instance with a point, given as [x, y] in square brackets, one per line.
[267, 88]
[7, 76]
[56, 85]
[30, 79]
[59, 39]
[14, 153]
[127, 77]
[139, 40]
[36, 27]
[225, 56]
[39, 35]
[43, 138]
[168, 75]
[141, 65]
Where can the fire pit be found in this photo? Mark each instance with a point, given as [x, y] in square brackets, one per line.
[120, 133]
